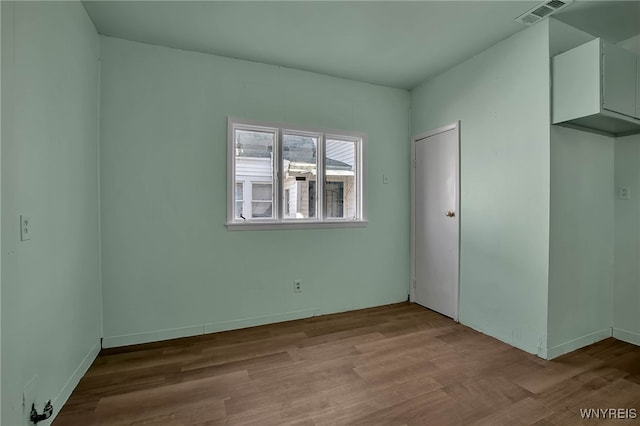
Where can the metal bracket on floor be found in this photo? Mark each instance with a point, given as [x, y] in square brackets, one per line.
[46, 413]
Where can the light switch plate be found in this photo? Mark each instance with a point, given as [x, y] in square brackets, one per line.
[385, 179]
[25, 228]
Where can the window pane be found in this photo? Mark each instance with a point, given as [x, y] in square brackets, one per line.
[260, 192]
[239, 191]
[312, 199]
[300, 164]
[287, 201]
[253, 144]
[261, 209]
[254, 162]
[239, 200]
[340, 191]
[334, 199]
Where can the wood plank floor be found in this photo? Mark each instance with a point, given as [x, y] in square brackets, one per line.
[393, 365]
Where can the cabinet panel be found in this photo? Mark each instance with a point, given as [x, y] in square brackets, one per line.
[576, 82]
[619, 77]
[596, 87]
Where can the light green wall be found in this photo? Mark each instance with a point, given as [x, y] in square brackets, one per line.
[501, 97]
[626, 291]
[50, 284]
[170, 267]
[581, 239]
[3, 40]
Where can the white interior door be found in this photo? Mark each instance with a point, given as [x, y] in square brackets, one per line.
[436, 222]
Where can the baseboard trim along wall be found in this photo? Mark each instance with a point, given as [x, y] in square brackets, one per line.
[268, 319]
[511, 340]
[627, 336]
[151, 336]
[196, 330]
[578, 343]
[73, 381]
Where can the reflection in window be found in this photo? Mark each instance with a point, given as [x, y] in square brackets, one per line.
[262, 200]
[341, 185]
[254, 166]
[239, 199]
[300, 163]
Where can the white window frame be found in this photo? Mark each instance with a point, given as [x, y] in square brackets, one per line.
[278, 221]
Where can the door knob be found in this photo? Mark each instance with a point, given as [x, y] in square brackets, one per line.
[450, 213]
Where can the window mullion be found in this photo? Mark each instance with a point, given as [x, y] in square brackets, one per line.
[320, 179]
[358, 178]
[278, 177]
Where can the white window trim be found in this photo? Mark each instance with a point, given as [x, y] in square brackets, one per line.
[279, 222]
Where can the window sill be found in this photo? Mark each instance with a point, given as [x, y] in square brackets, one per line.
[265, 226]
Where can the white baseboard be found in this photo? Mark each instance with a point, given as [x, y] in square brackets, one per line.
[534, 350]
[64, 394]
[196, 330]
[254, 321]
[627, 336]
[577, 343]
[151, 336]
[542, 353]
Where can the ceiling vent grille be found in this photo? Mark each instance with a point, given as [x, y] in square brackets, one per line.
[541, 11]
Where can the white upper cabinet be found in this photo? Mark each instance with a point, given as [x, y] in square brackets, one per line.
[620, 75]
[595, 87]
[638, 87]
[576, 82]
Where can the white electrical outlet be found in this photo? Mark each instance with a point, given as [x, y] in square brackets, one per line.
[25, 228]
[297, 286]
[624, 193]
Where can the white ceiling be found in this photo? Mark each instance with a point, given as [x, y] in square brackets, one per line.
[391, 43]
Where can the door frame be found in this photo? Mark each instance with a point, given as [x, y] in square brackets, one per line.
[412, 285]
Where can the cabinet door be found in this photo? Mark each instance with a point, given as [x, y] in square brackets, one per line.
[619, 80]
[576, 83]
[638, 88]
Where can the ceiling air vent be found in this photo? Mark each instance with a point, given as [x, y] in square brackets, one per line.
[541, 11]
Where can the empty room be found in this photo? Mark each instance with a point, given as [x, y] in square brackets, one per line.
[319, 212]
